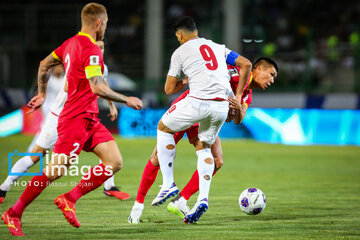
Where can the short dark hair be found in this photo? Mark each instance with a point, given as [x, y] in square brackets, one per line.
[262, 60]
[91, 12]
[185, 23]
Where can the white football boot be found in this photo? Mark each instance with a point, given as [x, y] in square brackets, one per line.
[178, 206]
[165, 194]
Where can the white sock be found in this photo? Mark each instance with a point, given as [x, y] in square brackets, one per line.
[138, 205]
[205, 171]
[109, 183]
[21, 166]
[166, 157]
[182, 200]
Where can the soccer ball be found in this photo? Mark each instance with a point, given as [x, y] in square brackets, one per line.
[252, 201]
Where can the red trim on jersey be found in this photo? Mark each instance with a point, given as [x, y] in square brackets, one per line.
[54, 114]
[213, 99]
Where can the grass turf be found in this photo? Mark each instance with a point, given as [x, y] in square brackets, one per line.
[312, 192]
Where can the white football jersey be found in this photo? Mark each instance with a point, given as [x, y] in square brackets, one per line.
[59, 101]
[55, 85]
[204, 63]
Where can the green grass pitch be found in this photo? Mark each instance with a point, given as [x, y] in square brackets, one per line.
[312, 192]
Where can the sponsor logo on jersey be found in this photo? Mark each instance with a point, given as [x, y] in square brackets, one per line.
[172, 108]
[94, 60]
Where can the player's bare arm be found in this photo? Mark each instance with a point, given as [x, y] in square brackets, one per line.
[99, 87]
[245, 68]
[45, 69]
[174, 85]
[44, 72]
[113, 110]
[240, 110]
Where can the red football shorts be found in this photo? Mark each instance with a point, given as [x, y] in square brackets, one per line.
[190, 132]
[80, 134]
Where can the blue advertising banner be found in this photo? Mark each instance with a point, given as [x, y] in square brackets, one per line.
[286, 126]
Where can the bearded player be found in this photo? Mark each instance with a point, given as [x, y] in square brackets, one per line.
[48, 136]
[78, 127]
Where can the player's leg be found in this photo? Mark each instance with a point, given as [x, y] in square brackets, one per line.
[166, 150]
[85, 134]
[95, 177]
[193, 185]
[148, 178]
[179, 117]
[33, 142]
[111, 190]
[151, 169]
[178, 205]
[36, 185]
[208, 131]
[111, 159]
[45, 141]
[21, 166]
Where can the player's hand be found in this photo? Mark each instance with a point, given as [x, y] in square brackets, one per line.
[234, 103]
[185, 80]
[35, 103]
[113, 112]
[230, 115]
[134, 103]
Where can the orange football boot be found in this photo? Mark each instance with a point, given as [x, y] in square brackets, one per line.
[13, 223]
[68, 209]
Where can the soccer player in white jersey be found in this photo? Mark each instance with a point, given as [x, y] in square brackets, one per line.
[56, 81]
[48, 136]
[205, 64]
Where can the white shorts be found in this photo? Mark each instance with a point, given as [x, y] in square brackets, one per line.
[48, 134]
[210, 115]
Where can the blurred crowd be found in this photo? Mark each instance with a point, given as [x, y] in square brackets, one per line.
[316, 43]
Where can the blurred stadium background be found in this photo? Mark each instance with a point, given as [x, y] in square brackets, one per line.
[315, 99]
[312, 191]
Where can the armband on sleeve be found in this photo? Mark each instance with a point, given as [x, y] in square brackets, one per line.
[92, 71]
[231, 57]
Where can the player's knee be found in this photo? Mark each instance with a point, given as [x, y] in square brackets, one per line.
[194, 141]
[208, 160]
[117, 165]
[37, 149]
[35, 159]
[54, 172]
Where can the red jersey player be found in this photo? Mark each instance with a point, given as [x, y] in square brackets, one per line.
[262, 75]
[78, 127]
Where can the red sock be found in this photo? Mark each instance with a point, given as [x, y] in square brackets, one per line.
[35, 186]
[93, 179]
[147, 180]
[192, 186]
